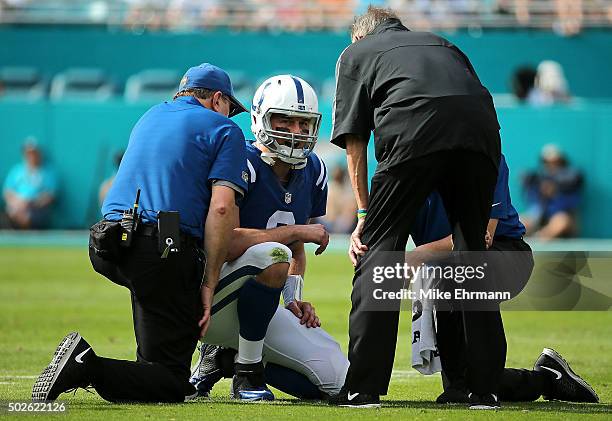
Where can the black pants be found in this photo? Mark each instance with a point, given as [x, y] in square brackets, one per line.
[458, 332]
[466, 181]
[166, 308]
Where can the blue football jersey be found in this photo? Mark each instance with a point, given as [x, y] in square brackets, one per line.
[431, 223]
[269, 204]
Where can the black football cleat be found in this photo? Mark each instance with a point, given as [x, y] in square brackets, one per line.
[453, 396]
[488, 401]
[67, 370]
[347, 399]
[248, 384]
[565, 384]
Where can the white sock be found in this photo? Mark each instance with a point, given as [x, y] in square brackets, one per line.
[249, 352]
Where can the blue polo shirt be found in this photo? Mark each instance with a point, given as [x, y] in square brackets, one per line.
[175, 151]
[508, 224]
[432, 223]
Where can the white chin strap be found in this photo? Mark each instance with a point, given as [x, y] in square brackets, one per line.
[270, 157]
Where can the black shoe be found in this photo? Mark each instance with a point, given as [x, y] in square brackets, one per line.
[67, 370]
[248, 384]
[214, 363]
[453, 396]
[486, 401]
[565, 384]
[354, 400]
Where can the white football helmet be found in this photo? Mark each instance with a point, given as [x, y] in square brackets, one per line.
[294, 97]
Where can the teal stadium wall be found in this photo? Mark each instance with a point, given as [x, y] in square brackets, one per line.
[80, 138]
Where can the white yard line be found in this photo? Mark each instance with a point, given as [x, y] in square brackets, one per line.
[402, 374]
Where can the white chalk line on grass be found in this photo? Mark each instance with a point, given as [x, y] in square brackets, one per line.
[404, 374]
[18, 377]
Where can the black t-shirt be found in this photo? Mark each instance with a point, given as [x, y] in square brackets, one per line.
[417, 92]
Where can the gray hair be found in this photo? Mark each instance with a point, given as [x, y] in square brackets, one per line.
[366, 23]
[201, 93]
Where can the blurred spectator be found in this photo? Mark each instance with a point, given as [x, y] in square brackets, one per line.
[523, 80]
[10, 5]
[441, 13]
[145, 13]
[106, 184]
[553, 196]
[336, 12]
[295, 15]
[265, 15]
[569, 15]
[566, 17]
[341, 206]
[241, 13]
[521, 11]
[550, 85]
[29, 190]
[186, 14]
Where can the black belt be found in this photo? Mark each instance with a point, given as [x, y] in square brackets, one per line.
[150, 230]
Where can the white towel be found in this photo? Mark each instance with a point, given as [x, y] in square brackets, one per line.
[425, 355]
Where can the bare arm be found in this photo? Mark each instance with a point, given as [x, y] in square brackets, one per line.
[425, 251]
[13, 202]
[243, 238]
[491, 227]
[298, 261]
[11, 197]
[357, 159]
[222, 218]
[44, 199]
[303, 310]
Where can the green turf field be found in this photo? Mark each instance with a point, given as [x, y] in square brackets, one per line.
[47, 292]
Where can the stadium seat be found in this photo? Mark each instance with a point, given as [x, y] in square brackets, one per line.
[81, 84]
[21, 82]
[152, 85]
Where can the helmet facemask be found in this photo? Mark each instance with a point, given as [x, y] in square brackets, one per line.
[291, 148]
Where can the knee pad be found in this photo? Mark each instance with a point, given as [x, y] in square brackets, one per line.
[266, 254]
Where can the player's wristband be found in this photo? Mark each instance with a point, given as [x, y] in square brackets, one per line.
[292, 291]
[361, 213]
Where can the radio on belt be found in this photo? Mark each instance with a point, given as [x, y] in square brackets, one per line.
[169, 233]
[129, 223]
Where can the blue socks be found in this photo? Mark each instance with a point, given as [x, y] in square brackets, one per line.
[257, 304]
